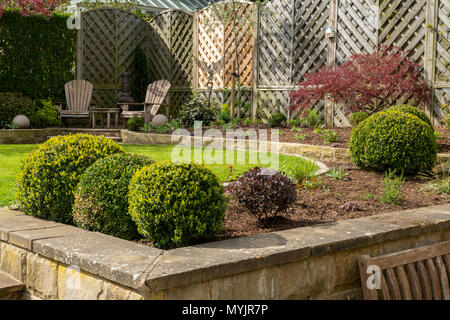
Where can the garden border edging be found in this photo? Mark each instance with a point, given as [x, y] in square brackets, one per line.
[321, 153]
[262, 266]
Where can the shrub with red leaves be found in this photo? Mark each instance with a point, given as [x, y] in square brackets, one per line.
[263, 191]
[367, 82]
[28, 7]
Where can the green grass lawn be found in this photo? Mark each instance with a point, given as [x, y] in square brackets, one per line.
[11, 156]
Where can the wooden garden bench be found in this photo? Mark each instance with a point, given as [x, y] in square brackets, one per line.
[78, 100]
[416, 274]
[154, 99]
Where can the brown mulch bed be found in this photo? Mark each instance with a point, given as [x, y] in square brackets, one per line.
[287, 135]
[338, 200]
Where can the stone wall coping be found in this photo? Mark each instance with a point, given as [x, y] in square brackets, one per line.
[143, 267]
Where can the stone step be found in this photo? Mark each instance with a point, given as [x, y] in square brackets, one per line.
[10, 289]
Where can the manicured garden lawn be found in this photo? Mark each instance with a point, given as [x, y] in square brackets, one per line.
[11, 156]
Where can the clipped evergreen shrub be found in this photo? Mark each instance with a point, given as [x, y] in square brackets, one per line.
[101, 199]
[135, 123]
[175, 205]
[14, 104]
[394, 140]
[411, 110]
[357, 117]
[49, 175]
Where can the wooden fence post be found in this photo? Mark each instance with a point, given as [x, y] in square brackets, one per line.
[430, 51]
[255, 62]
[329, 105]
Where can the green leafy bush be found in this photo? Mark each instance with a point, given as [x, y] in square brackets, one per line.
[224, 114]
[101, 199]
[47, 116]
[392, 189]
[357, 117]
[262, 191]
[411, 110]
[312, 119]
[13, 104]
[49, 175]
[277, 120]
[135, 123]
[299, 170]
[394, 140]
[176, 204]
[38, 54]
[197, 110]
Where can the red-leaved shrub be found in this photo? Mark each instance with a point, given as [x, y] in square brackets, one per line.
[367, 82]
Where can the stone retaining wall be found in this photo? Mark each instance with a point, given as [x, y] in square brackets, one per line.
[323, 153]
[26, 136]
[56, 261]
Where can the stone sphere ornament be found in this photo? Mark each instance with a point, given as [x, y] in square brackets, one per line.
[21, 121]
[159, 120]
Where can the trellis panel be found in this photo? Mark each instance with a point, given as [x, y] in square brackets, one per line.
[211, 46]
[276, 43]
[108, 38]
[443, 43]
[216, 41]
[160, 55]
[310, 46]
[244, 36]
[172, 54]
[403, 24]
[356, 28]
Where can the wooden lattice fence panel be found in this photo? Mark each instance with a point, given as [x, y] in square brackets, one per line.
[403, 24]
[310, 50]
[108, 38]
[275, 44]
[310, 46]
[443, 43]
[357, 22]
[244, 36]
[210, 46]
[171, 53]
[441, 98]
[160, 53]
[216, 40]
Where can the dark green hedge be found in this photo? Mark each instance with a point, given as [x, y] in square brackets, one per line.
[38, 55]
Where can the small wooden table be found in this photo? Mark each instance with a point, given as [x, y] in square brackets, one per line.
[108, 112]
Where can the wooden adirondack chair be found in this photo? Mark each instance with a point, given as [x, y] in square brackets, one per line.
[78, 100]
[420, 274]
[154, 99]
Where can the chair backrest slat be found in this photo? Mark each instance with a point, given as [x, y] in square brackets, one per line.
[415, 282]
[78, 95]
[156, 93]
[420, 273]
[403, 281]
[443, 278]
[393, 284]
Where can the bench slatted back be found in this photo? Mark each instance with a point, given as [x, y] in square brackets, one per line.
[156, 93]
[416, 274]
[78, 95]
